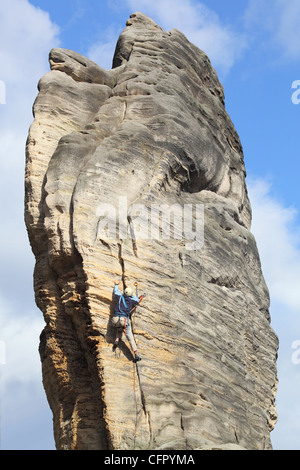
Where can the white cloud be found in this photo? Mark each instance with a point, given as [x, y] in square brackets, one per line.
[276, 229]
[288, 35]
[25, 414]
[281, 20]
[20, 335]
[26, 37]
[27, 34]
[277, 234]
[102, 52]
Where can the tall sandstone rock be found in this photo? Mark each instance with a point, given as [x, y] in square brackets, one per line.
[151, 131]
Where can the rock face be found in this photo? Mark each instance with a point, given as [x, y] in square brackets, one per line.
[137, 174]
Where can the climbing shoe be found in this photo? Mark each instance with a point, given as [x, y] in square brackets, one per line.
[137, 358]
[116, 344]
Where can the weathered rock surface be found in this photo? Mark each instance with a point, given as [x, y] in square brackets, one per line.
[154, 130]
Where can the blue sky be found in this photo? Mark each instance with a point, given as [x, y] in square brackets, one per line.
[254, 46]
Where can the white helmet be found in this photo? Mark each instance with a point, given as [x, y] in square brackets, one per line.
[128, 291]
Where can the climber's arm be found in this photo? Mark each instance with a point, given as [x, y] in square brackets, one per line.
[116, 289]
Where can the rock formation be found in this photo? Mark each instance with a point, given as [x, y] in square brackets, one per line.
[123, 169]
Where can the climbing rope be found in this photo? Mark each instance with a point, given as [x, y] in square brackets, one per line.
[138, 372]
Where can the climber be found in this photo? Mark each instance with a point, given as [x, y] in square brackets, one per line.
[125, 304]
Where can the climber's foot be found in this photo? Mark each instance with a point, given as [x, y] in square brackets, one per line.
[137, 358]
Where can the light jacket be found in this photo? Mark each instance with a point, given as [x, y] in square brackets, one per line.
[124, 303]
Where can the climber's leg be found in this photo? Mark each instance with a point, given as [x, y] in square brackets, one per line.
[132, 341]
[133, 345]
[118, 323]
[121, 324]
